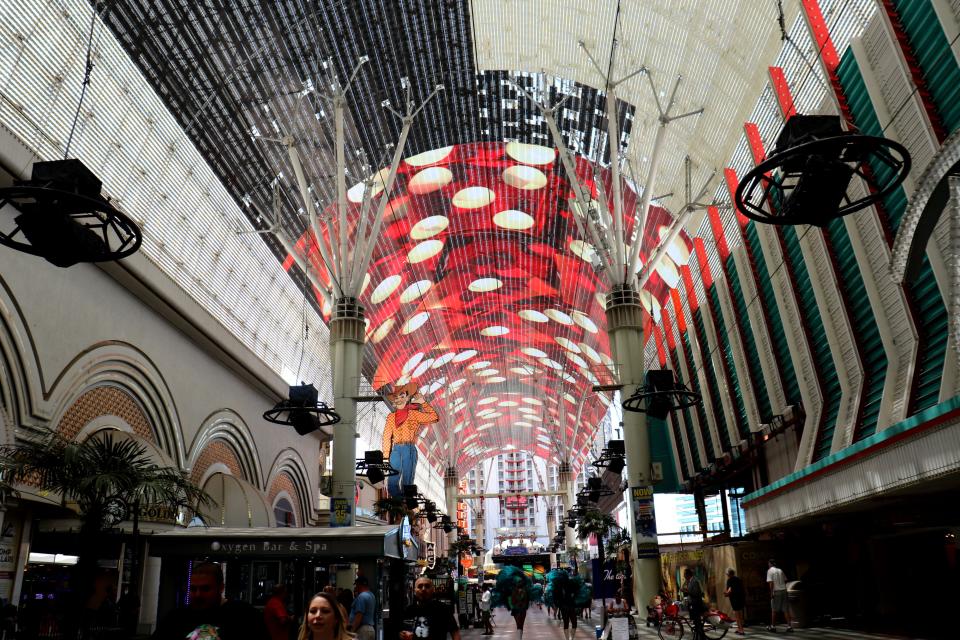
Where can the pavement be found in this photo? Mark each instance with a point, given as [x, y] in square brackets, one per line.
[539, 626]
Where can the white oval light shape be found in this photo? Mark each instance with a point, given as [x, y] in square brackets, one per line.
[473, 198]
[677, 250]
[534, 352]
[592, 378]
[383, 330]
[522, 424]
[494, 331]
[456, 384]
[412, 362]
[533, 316]
[584, 321]
[485, 426]
[559, 316]
[496, 379]
[429, 227]
[416, 290]
[493, 415]
[524, 371]
[668, 271]
[383, 290]
[429, 180]
[583, 250]
[482, 364]
[524, 178]
[646, 300]
[487, 400]
[482, 285]
[415, 322]
[429, 157]
[424, 251]
[577, 360]
[569, 345]
[422, 368]
[553, 364]
[530, 153]
[569, 378]
[526, 410]
[464, 355]
[508, 403]
[355, 193]
[590, 352]
[513, 220]
[366, 283]
[488, 372]
[534, 401]
[442, 360]
[607, 360]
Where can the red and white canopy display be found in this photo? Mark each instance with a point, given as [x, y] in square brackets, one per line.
[481, 292]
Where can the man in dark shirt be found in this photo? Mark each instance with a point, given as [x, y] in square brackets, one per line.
[208, 615]
[430, 619]
[737, 595]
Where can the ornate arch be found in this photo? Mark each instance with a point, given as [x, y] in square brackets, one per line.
[225, 437]
[289, 473]
[118, 369]
[21, 381]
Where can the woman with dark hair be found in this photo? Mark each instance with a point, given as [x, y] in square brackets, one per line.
[325, 620]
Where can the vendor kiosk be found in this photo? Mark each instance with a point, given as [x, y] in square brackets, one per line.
[306, 560]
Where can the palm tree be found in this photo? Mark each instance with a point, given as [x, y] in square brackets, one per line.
[600, 524]
[107, 479]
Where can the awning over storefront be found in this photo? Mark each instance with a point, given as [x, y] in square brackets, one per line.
[322, 543]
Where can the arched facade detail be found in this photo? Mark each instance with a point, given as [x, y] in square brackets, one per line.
[125, 369]
[103, 405]
[290, 473]
[21, 385]
[225, 437]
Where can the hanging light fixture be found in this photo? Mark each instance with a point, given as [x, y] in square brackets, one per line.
[661, 394]
[303, 411]
[62, 217]
[805, 179]
[594, 490]
[374, 468]
[612, 458]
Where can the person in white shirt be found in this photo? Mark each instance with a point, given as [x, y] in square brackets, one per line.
[485, 611]
[777, 581]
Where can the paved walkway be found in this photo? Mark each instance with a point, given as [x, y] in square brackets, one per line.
[539, 626]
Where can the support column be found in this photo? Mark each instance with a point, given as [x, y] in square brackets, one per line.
[565, 472]
[625, 328]
[451, 482]
[551, 532]
[346, 348]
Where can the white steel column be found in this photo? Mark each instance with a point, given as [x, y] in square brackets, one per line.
[346, 348]
[551, 533]
[566, 485]
[451, 480]
[625, 328]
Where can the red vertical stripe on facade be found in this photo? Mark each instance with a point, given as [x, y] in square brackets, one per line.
[661, 352]
[755, 142]
[782, 90]
[668, 330]
[678, 310]
[821, 35]
[730, 177]
[701, 250]
[716, 224]
[688, 284]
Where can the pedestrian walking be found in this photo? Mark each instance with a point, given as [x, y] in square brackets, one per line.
[777, 581]
[737, 595]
